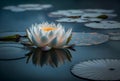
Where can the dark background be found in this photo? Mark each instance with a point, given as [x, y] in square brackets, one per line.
[18, 70]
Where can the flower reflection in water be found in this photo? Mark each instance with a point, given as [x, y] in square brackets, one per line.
[53, 57]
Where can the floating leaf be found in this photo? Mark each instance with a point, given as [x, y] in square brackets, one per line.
[74, 17]
[104, 25]
[12, 51]
[11, 38]
[102, 16]
[115, 37]
[99, 10]
[95, 15]
[100, 70]
[85, 39]
[66, 13]
[27, 7]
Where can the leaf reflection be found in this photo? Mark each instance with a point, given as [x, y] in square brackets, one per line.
[53, 57]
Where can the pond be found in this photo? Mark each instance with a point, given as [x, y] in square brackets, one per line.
[102, 41]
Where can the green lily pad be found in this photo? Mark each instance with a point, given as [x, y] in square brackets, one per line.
[102, 16]
[12, 36]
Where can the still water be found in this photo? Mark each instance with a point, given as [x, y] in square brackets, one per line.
[19, 70]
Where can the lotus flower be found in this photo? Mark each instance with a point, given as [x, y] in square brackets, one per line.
[49, 35]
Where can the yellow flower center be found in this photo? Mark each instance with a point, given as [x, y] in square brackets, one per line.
[46, 29]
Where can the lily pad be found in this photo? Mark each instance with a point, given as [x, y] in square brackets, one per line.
[104, 25]
[66, 13]
[99, 10]
[78, 20]
[114, 35]
[14, 9]
[86, 39]
[81, 16]
[98, 15]
[13, 36]
[102, 16]
[3, 34]
[12, 51]
[94, 19]
[27, 7]
[100, 70]
[82, 13]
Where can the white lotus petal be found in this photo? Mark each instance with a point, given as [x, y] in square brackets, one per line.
[35, 42]
[50, 34]
[44, 39]
[60, 33]
[68, 33]
[29, 35]
[53, 42]
[61, 44]
[35, 38]
[36, 34]
[59, 25]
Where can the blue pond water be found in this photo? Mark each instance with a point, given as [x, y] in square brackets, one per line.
[18, 70]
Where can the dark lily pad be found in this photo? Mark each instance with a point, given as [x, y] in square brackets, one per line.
[102, 16]
[3, 34]
[13, 36]
[74, 17]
